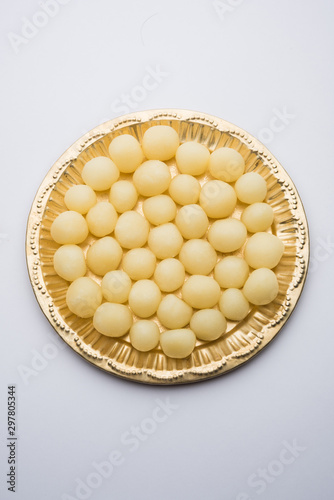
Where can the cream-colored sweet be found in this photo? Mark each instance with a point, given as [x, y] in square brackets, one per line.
[144, 335]
[144, 298]
[169, 275]
[178, 343]
[126, 152]
[201, 292]
[101, 219]
[80, 198]
[69, 262]
[104, 255]
[152, 178]
[227, 235]
[83, 297]
[100, 173]
[263, 250]
[69, 228]
[116, 286]
[261, 287]
[233, 304]
[192, 158]
[112, 320]
[208, 324]
[231, 272]
[165, 241]
[139, 263]
[251, 188]
[198, 256]
[160, 142]
[131, 230]
[159, 209]
[184, 189]
[173, 312]
[123, 196]
[192, 221]
[226, 164]
[257, 217]
[218, 199]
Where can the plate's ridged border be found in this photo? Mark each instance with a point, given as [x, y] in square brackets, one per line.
[241, 346]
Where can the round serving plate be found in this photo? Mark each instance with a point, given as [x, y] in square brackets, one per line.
[242, 340]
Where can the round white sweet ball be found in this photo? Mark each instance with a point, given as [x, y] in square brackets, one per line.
[178, 343]
[160, 142]
[69, 262]
[126, 152]
[251, 188]
[226, 164]
[83, 297]
[208, 324]
[104, 255]
[231, 272]
[101, 219]
[261, 288]
[263, 250]
[257, 217]
[173, 312]
[132, 230]
[69, 228]
[227, 235]
[233, 304]
[169, 275]
[159, 209]
[144, 298]
[198, 256]
[192, 221]
[100, 173]
[139, 263]
[116, 286]
[165, 241]
[184, 189]
[144, 335]
[112, 320]
[123, 196]
[201, 292]
[80, 198]
[152, 178]
[192, 158]
[218, 199]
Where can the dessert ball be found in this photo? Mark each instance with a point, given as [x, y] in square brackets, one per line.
[192, 158]
[218, 199]
[83, 297]
[226, 164]
[100, 173]
[69, 228]
[160, 142]
[126, 152]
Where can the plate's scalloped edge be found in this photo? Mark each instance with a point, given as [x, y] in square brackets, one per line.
[164, 377]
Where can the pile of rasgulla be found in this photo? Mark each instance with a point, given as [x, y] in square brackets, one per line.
[169, 264]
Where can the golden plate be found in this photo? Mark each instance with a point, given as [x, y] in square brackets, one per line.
[209, 359]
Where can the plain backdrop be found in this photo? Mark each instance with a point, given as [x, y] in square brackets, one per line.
[265, 431]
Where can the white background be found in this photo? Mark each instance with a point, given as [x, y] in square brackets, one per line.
[244, 61]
